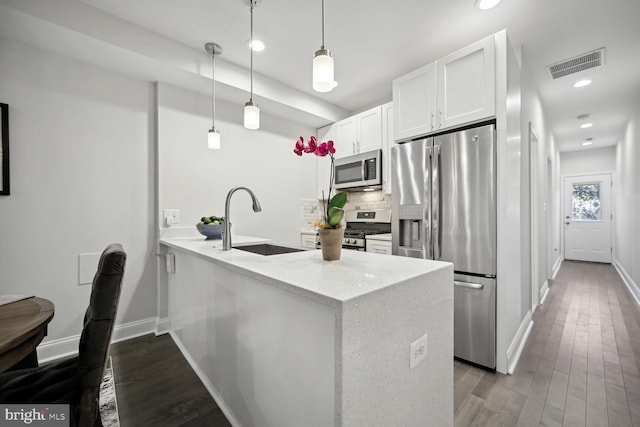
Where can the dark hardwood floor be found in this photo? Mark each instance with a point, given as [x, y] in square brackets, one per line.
[580, 367]
[155, 386]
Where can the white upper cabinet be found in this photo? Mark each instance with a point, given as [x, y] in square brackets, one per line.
[387, 143]
[323, 164]
[345, 140]
[359, 133]
[414, 103]
[369, 135]
[466, 84]
[455, 90]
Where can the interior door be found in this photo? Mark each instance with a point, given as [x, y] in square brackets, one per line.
[587, 218]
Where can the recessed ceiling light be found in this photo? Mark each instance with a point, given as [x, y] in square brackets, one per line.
[582, 83]
[587, 143]
[486, 4]
[257, 45]
[586, 125]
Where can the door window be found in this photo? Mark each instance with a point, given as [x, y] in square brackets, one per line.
[585, 202]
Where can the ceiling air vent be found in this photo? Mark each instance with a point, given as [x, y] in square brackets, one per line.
[579, 63]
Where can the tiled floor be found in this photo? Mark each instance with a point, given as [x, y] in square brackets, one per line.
[580, 367]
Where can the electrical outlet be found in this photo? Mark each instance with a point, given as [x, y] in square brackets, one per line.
[171, 216]
[417, 351]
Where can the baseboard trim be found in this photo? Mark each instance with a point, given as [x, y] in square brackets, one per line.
[517, 345]
[163, 326]
[68, 346]
[544, 291]
[207, 384]
[628, 281]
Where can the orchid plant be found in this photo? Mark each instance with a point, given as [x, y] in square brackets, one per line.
[333, 206]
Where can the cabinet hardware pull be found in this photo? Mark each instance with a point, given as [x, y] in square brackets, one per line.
[477, 286]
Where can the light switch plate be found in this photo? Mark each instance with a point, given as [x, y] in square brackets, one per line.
[87, 267]
[171, 216]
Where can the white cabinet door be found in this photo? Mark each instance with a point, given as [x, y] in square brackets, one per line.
[414, 103]
[345, 140]
[323, 169]
[466, 84]
[387, 143]
[369, 125]
[378, 247]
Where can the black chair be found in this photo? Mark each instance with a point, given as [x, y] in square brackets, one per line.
[76, 380]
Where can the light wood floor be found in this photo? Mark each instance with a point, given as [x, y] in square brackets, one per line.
[580, 367]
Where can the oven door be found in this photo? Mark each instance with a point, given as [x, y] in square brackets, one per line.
[352, 247]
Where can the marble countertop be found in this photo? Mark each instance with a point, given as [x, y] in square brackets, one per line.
[305, 273]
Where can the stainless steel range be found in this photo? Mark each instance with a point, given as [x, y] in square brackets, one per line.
[361, 223]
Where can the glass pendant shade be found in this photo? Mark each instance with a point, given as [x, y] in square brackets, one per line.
[251, 115]
[214, 139]
[323, 80]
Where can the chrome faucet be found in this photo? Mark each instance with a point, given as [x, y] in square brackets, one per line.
[226, 235]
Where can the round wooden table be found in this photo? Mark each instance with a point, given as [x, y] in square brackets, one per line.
[23, 325]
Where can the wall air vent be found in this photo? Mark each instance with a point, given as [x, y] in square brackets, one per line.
[579, 63]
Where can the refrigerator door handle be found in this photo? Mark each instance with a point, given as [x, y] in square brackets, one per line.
[435, 203]
[476, 286]
[428, 245]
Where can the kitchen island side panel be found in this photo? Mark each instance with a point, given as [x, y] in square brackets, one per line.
[378, 388]
[265, 354]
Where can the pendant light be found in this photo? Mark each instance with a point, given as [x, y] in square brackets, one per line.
[214, 136]
[251, 110]
[323, 80]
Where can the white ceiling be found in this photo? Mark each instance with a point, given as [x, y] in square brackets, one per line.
[375, 41]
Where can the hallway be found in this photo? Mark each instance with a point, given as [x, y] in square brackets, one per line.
[580, 366]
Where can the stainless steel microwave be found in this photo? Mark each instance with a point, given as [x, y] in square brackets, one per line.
[359, 172]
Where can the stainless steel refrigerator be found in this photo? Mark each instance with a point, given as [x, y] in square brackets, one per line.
[444, 208]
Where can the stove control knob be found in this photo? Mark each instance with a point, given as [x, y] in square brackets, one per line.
[353, 241]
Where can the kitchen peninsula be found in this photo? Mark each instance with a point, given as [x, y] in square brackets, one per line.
[291, 340]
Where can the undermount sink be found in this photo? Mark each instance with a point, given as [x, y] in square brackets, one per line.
[267, 249]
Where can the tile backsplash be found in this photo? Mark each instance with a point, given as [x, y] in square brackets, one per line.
[310, 212]
[368, 200]
[311, 209]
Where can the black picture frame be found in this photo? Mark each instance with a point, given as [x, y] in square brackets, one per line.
[4, 150]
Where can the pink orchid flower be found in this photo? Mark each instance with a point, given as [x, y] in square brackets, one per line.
[330, 147]
[322, 150]
[299, 147]
[313, 145]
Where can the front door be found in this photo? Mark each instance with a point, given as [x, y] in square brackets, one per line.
[587, 218]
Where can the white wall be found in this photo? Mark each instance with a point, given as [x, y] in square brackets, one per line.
[626, 223]
[196, 180]
[588, 161]
[82, 176]
[548, 186]
[509, 293]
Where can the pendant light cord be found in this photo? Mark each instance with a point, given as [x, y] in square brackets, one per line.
[213, 90]
[322, 25]
[251, 96]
